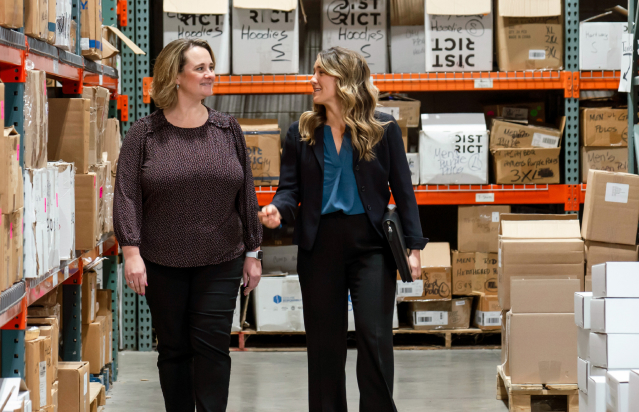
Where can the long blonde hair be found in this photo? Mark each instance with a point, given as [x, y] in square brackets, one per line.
[358, 97]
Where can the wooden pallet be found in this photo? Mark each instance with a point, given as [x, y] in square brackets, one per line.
[519, 396]
[448, 336]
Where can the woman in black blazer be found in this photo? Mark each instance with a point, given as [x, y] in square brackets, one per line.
[337, 164]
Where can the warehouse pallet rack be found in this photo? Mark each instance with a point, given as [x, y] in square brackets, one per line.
[18, 53]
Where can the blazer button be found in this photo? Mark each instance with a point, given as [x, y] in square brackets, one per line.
[356, 167]
[363, 188]
[369, 207]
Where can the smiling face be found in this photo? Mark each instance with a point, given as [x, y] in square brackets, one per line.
[324, 86]
[197, 76]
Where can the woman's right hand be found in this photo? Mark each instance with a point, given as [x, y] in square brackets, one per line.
[134, 270]
[270, 217]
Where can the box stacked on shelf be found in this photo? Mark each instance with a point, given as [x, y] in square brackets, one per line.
[91, 29]
[600, 41]
[36, 19]
[39, 368]
[611, 214]
[406, 111]
[408, 44]
[604, 140]
[264, 148]
[11, 14]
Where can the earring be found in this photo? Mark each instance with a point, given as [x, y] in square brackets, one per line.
[177, 86]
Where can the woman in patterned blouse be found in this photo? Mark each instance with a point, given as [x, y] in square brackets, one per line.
[185, 215]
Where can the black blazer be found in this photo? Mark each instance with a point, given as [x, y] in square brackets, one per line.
[302, 182]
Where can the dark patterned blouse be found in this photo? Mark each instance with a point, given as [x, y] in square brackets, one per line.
[185, 197]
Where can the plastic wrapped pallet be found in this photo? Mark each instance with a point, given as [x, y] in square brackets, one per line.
[36, 115]
[112, 143]
[99, 108]
[63, 10]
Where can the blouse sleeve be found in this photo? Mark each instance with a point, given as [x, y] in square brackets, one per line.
[127, 200]
[246, 201]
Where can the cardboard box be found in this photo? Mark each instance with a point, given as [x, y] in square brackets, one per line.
[264, 146]
[543, 295]
[583, 367]
[63, 9]
[408, 108]
[89, 300]
[600, 45]
[478, 227]
[530, 35]
[53, 217]
[73, 395]
[526, 166]
[49, 327]
[11, 14]
[610, 159]
[359, 25]
[610, 315]
[597, 393]
[504, 342]
[11, 186]
[618, 391]
[51, 21]
[434, 315]
[17, 246]
[436, 271]
[611, 208]
[597, 253]
[408, 44]
[583, 343]
[603, 126]
[37, 359]
[35, 223]
[86, 211]
[453, 149]
[273, 35]
[545, 246]
[54, 395]
[36, 19]
[413, 165]
[69, 132]
[91, 29]
[614, 351]
[588, 284]
[278, 304]
[474, 272]
[410, 289]
[214, 28]
[615, 280]
[36, 120]
[94, 344]
[633, 390]
[582, 309]
[98, 111]
[463, 269]
[511, 135]
[279, 259]
[487, 312]
[104, 297]
[526, 112]
[5, 252]
[112, 143]
[542, 348]
[103, 175]
[458, 39]
[66, 205]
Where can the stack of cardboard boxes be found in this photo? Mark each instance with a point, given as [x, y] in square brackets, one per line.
[264, 148]
[541, 266]
[40, 371]
[604, 140]
[97, 324]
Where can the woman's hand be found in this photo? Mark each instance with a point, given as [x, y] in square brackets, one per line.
[270, 217]
[415, 262]
[252, 273]
[134, 269]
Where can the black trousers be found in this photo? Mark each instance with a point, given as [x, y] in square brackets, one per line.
[192, 311]
[348, 254]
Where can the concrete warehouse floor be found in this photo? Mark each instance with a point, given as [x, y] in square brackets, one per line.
[425, 381]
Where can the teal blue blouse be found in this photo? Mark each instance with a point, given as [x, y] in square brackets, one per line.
[340, 188]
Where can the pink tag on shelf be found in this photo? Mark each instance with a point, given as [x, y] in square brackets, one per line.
[11, 230]
[45, 205]
[100, 192]
[56, 200]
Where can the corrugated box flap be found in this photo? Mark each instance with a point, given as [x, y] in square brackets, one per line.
[126, 40]
[285, 5]
[458, 7]
[407, 13]
[436, 254]
[541, 229]
[529, 8]
[196, 6]
[258, 125]
[517, 217]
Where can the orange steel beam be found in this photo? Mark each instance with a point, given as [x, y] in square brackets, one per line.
[596, 80]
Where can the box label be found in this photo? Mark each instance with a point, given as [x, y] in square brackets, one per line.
[43, 383]
[483, 83]
[626, 63]
[515, 113]
[495, 217]
[393, 111]
[430, 318]
[617, 192]
[544, 140]
[415, 289]
[488, 318]
[537, 54]
[484, 197]
[460, 303]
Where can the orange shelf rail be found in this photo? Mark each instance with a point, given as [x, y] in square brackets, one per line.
[92, 79]
[595, 80]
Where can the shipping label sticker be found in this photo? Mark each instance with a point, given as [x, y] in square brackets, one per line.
[430, 318]
[483, 83]
[515, 113]
[460, 303]
[495, 217]
[536, 54]
[544, 140]
[489, 318]
[43, 383]
[617, 192]
[414, 289]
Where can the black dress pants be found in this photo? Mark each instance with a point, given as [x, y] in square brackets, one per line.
[192, 311]
[348, 254]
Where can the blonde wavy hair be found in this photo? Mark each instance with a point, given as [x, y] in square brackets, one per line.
[169, 63]
[358, 97]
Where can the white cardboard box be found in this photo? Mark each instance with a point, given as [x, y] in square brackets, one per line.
[66, 200]
[583, 401]
[615, 280]
[597, 394]
[582, 309]
[614, 351]
[265, 41]
[614, 315]
[235, 325]
[53, 216]
[583, 343]
[617, 398]
[358, 25]
[453, 149]
[279, 259]
[633, 390]
[600, 45]
[63, 10]
[413, 165]
[457, 43]
[408, 49]
[278, 304]
[35, 223]
[214, 28]
[583, 374]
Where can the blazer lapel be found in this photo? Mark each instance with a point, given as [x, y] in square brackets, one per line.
[318, 147]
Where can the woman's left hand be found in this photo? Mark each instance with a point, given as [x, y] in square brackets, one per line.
[252, 273]
[415, 262]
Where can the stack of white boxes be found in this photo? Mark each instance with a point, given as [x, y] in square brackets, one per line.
[609, 339]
